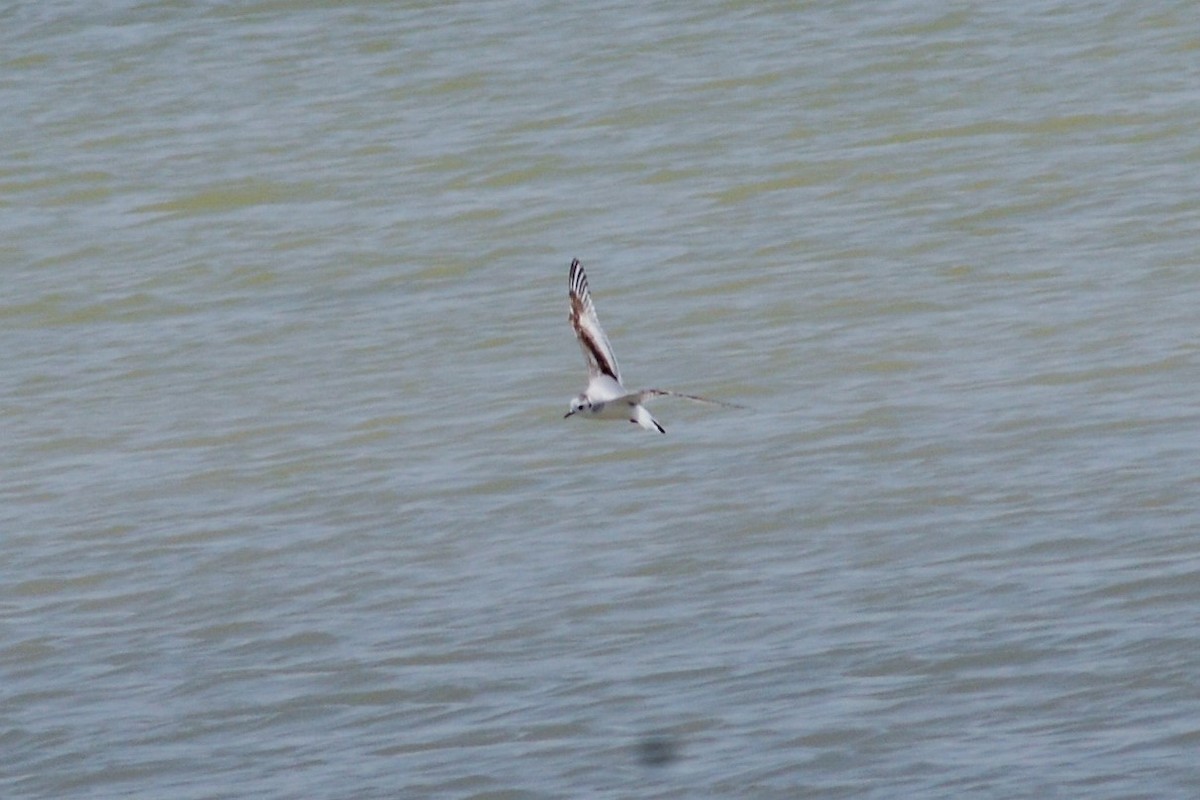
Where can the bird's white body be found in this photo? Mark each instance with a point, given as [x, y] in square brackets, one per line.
[608, 399]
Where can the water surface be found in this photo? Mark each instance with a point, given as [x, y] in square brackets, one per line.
[289, 509]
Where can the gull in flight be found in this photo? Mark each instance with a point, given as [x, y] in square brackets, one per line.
[605, 397]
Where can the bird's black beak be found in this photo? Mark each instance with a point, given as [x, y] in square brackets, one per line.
[569, 413]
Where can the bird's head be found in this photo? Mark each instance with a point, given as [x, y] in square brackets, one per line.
[578, 404]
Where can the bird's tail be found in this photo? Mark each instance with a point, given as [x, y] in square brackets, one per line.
[642, 417]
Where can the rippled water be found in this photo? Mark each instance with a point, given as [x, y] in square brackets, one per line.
[289, 509]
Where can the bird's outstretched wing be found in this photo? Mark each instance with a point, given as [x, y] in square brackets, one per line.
[649, 394]
[596, 349]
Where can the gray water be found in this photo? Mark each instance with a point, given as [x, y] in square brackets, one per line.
[289, 509]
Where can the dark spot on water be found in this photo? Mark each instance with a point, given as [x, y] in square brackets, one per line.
[657, 751]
